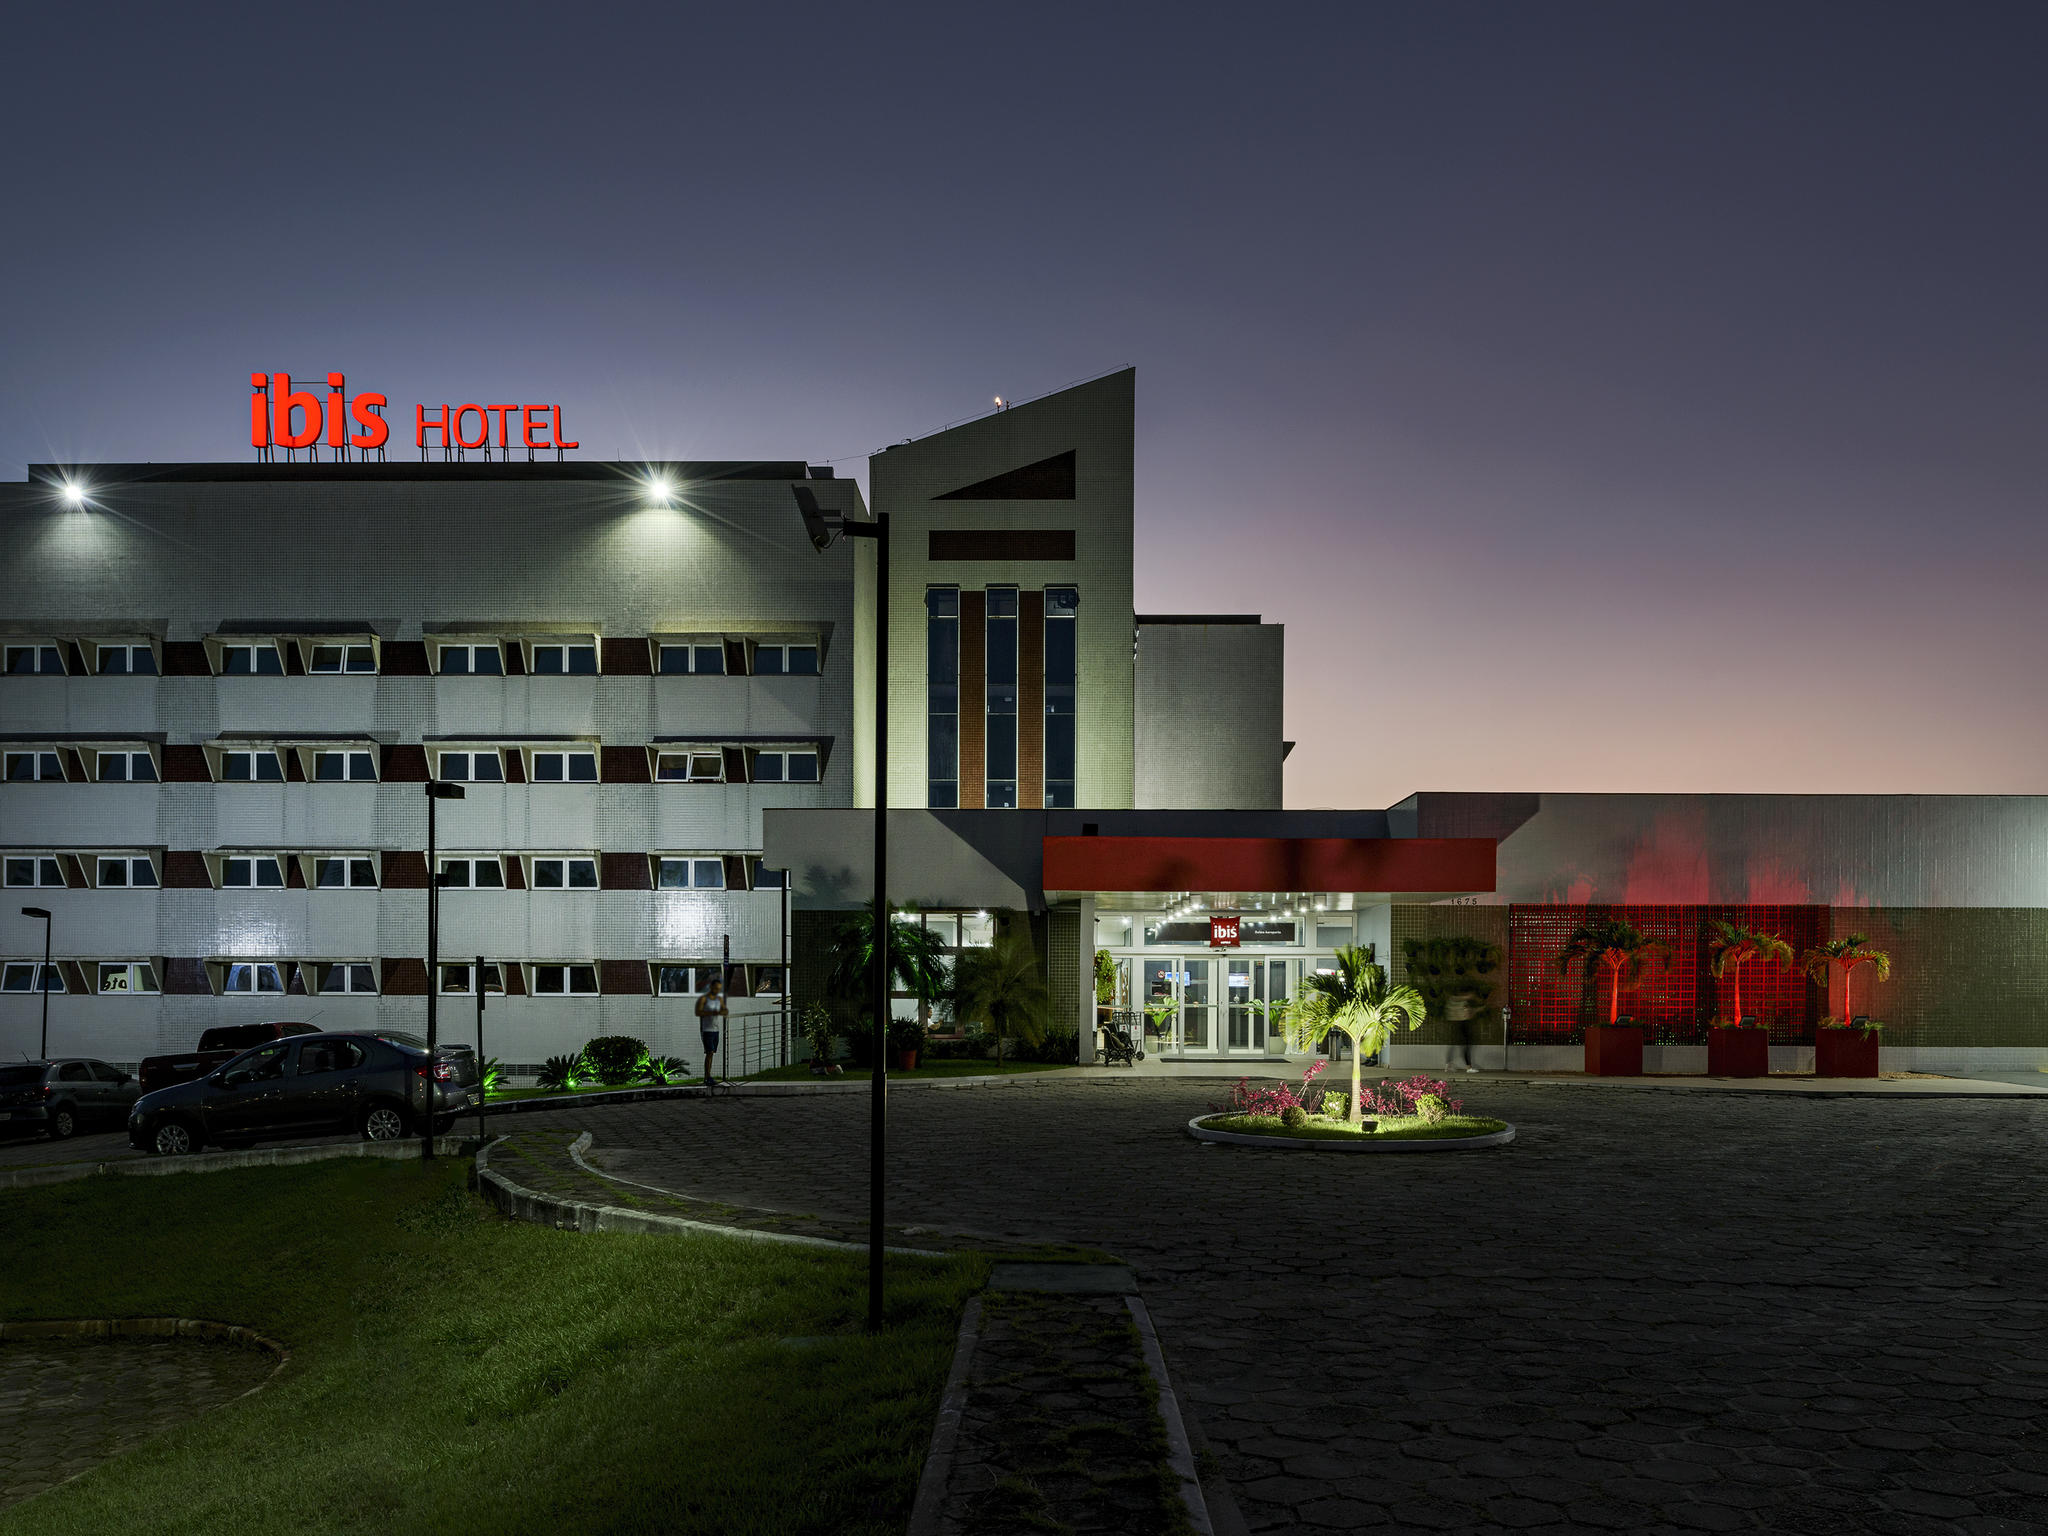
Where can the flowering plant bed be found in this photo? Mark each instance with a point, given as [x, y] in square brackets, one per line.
[1322, 1128]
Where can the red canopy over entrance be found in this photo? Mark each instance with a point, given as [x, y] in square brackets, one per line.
[1390, 865]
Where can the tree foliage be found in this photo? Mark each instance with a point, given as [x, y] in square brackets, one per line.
[1357, 1001]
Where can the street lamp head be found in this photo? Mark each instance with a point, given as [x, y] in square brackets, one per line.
[440, 789]
[821, 532]
[661, 490]
[42, 912]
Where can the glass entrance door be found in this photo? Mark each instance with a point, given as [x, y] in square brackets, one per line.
[1244, 1026]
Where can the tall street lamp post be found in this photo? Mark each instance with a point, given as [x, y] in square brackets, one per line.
[437, 791]
[43, 976]
[821, 533]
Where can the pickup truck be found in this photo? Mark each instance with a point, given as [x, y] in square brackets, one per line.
[222, 1043]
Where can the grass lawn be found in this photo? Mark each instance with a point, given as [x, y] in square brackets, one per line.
[454, 1373]
[556, 1093]
[801, 1072]
[1388, 1129]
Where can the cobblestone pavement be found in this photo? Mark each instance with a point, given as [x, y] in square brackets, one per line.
[66, 1405]
[1059, 1431]
[98, 1147]
[1656, 1311]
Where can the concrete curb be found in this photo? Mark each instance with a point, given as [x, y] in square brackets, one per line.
[522, 1204]
[1180, 1454]
[217, 1162]
[739, 1090]
[938, 1461]
[1202, 1132]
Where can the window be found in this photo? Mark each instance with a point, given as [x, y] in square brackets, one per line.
[483, 660]
[689, 767]
[20, 976]
[345, 975]
[577, 660]
[703, 660]
[692, 874]
[243, 871]
[134, 978]
[317, 1056]
[785, 767]
[565, 767]
[137, 871]
[260, 659]
[262, 766]
[137, 659]
[455, 978]
[1062, 618]
[358, 656]
[344, 871]
[23, 767]
[565, 981]
[252, 976]
[472, 874]
[34, 869]
[126, 767]
[1002, 698]
[785, 660]
[683, 980]
[353, 764]
[35, 658]
[565, 874]
[766, 879]
[942, 697]
[473, 767]
[767, 981]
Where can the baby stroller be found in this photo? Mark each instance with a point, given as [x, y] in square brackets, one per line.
[1118, 1048]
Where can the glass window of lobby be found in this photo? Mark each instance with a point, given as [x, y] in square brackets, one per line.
[1002, 699]
[1062, 611]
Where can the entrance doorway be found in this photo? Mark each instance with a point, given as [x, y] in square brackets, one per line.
[1206, 1005]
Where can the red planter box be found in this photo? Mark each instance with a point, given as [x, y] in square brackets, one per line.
[1614, 1050]
[903, 1061]
[1844, 1053]
[1738, 1053]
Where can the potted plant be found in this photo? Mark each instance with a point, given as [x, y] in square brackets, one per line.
[1736, 1046]
[906, 1039]
[1843, 1047]
[1623, 953]
[1002, 989]
[820, 1037]
[1105, 986]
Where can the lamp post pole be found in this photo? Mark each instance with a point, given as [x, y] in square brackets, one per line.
[822, 532]
[43, 976]
[482, 1077]
[437, 791]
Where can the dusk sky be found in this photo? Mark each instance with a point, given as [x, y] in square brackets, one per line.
[1632, 397]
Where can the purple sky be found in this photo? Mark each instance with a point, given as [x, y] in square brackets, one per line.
[1606, 397]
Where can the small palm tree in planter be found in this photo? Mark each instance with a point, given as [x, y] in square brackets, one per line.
[1624, 954]
[1000, 988]
[916, 964]
[1733, 1051]
[1840, 1048]
[1357, 1001]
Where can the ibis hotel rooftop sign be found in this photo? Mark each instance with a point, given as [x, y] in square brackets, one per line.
[282, 415]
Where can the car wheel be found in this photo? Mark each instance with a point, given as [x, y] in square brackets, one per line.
[383, 1122]
[63, 1123]
[174, 1138]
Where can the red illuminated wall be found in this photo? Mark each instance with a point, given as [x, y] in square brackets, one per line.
[1673, 1002]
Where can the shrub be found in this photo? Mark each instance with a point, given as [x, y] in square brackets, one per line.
[1431, 1109]
[1246, 1100]
[564, 1072]
[814, 1023]
[1397, 1100]
[1061, 1046]
[616, 1058]
[493, 1079]
[1337, 1106]
[662, 1071]
[1294, 1117]
[906, 1035]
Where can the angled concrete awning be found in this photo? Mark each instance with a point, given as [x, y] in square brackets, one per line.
[830, 858]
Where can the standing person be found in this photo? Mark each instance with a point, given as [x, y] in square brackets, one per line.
[711, 1011]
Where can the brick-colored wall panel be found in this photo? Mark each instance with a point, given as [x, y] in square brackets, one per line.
[405, 869]
[403, 658]
[627, 656]
[624, 765]
[626, 872]
[186, 978]
[186, 765]
[405, 977]
[404, 764]
[186, 658]
[623, 978]
[185, 870]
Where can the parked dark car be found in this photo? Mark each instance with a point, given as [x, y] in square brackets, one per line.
[64, 1096]
[217, 1046]
[376, 1084]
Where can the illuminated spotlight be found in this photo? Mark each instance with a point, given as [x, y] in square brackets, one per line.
[661, 490]
[74, 495]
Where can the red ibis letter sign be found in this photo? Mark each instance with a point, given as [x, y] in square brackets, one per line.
[283, 417]
[1223, 932]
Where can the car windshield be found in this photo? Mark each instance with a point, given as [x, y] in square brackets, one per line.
[20, 1077]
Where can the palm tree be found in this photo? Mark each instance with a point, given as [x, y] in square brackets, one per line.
[1356, 1001]
[916, 962]
[1846, 955]
[1621, 949]
[1730, 948]
[1001, 988]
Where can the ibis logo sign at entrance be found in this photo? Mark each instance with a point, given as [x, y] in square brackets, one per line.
[284, 415]
[1223, 932]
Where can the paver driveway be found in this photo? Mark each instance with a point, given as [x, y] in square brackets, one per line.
[1655, 1311]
